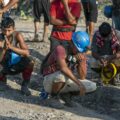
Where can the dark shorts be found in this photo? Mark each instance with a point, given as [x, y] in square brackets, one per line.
[17, 68]
[90, 10]
[55, 42]
[41, 7]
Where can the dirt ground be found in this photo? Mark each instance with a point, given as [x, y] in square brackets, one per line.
[14, 106]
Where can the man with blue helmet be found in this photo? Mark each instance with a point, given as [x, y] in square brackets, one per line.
[59, 68]
[14, 56]
[106, 47]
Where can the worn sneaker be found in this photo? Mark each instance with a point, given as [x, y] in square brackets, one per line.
[25, 91]
[67, 99]
[55, 102]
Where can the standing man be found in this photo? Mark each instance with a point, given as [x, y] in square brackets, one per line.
[91, 13]
[116, 13]
[41, 7]
[64, 16]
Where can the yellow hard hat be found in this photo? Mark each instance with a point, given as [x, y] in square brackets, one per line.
[108, 72]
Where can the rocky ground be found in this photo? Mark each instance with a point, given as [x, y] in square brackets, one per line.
[100, 105]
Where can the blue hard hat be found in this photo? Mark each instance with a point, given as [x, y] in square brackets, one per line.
[81, 40]
[108, 11]
[15, 58]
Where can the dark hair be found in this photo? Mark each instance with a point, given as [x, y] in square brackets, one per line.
[7, 22]
[105, 29]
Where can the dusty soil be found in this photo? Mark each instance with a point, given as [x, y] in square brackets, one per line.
[14, 106]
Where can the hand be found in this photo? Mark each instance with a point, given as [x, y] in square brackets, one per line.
[80, 56]
[82, 89]
[7, 44]
[103, 61]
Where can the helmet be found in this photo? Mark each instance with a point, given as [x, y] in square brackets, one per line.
[108, 11]
[108, 72]
[81, 40]
[15, 58]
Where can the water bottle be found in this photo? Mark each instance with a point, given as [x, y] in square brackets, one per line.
[43, 94]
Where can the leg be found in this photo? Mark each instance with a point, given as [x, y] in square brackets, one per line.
[91, 30]
[26, 74]
[45, 32]
[56, 88]
[36, 26]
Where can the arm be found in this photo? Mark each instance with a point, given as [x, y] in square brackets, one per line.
[65, 69]
[55, 21]
[61, 61]
[72, 15]
[23, 49]
[9, 5]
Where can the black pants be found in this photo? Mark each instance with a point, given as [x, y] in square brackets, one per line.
[41, 7]
[90, 10]
[17, 68]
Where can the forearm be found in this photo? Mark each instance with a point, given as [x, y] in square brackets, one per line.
[71, 19]
[70, 75]
[9, 5]
[58, 22]
[20, 51]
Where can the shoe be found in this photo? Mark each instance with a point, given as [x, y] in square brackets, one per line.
[25, 91]
[55, 102]
[66, 97]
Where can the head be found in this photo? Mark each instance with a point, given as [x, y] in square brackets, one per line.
[8, 26]
[105, 30]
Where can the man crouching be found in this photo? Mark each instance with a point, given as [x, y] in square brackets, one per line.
[14, 56]
[59, 66]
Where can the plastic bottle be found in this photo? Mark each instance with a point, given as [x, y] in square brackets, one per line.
[43, 94]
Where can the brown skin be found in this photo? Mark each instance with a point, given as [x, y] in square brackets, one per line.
[22, 48]
[68, 72]
[8, 6]
[70, 18]
[106, 61]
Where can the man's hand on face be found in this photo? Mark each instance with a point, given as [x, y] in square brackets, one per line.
[80, 56]
[8, 45]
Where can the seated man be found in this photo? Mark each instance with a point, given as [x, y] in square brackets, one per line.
[59, 66]
[106, 46]
[11, 42]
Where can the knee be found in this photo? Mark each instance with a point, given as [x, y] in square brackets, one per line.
[31, 64]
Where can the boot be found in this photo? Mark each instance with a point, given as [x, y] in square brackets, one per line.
[24, 88]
